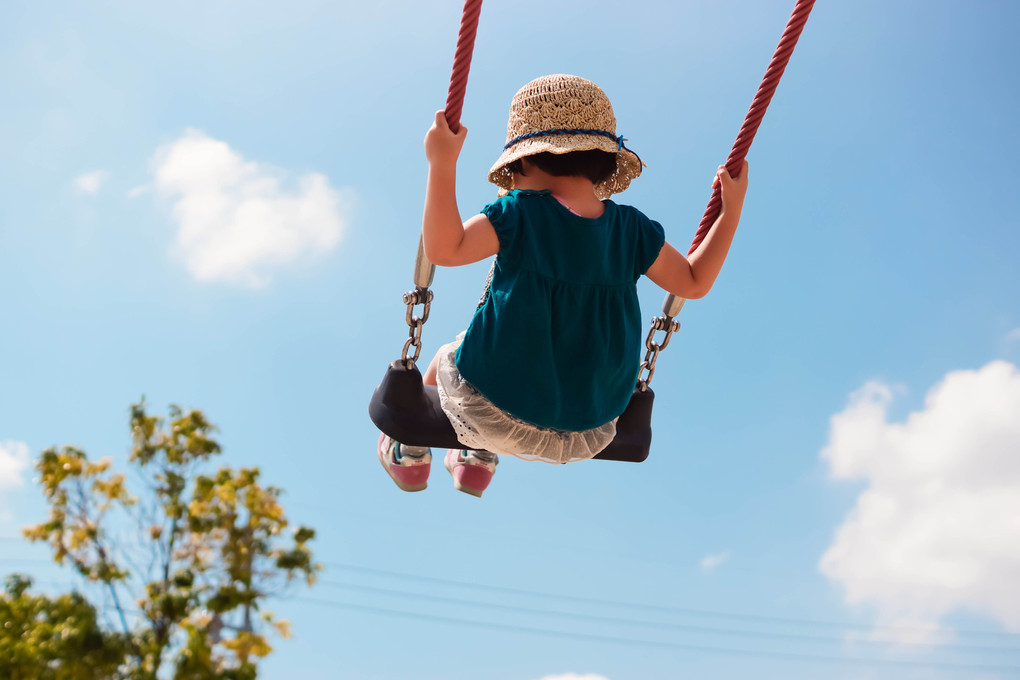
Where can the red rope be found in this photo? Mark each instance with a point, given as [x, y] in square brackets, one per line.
[462, 62]
[462, 65]
[756, 112]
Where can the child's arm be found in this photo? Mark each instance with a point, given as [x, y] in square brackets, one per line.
[448, 241]
[693, 277]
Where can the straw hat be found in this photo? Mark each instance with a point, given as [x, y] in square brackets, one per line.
[559, 114]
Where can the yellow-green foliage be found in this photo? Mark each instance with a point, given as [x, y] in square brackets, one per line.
[44, 638]
[216, 545]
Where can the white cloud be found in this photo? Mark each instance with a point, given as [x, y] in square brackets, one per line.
[575, 676]
[710, 562]
[936, 528]
[91, 182]
[234, 221]
[14, 459]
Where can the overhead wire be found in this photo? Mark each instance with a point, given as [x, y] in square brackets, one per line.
[630, 622]
[758, 618]
[690, 628]
[1003, 637]
[676, 646]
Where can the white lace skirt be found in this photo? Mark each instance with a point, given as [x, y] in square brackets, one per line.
[482, 425]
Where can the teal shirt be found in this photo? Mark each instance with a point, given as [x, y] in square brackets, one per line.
[557, 342]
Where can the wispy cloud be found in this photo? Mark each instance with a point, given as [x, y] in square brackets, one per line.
[90, 182]
[1013, 335]
[934, 531]
[14, 460]
[710, 562]
[235, 222]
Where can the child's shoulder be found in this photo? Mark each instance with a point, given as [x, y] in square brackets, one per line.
[512, 202]
[637, 224]
[627, 212]
[527, 194]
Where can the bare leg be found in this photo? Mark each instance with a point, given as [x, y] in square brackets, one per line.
[430, 375]
[471, 470]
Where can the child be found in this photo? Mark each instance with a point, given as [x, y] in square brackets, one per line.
[551, 357]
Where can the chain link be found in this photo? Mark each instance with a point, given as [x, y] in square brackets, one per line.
[423, 296]
[660, 323]
[418, 296]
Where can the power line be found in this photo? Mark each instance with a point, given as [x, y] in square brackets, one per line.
[772, 620]
[691, 628]
[725, 651]
[659, 608]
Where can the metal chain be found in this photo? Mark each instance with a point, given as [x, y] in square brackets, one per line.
[660, 323]
[418, 296]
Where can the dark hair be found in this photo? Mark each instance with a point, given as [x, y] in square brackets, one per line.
[594, 164]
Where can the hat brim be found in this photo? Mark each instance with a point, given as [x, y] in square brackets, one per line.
[628, 164]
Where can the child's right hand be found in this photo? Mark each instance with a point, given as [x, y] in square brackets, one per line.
[442, 146]
[733, 189]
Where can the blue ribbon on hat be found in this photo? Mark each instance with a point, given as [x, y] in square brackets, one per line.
[568, 131]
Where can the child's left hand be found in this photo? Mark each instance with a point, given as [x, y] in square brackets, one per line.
[733, 188]
[442, 146]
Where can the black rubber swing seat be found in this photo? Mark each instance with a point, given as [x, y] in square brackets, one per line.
[408, 411]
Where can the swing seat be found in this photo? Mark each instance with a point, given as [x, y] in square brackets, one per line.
[408, 411]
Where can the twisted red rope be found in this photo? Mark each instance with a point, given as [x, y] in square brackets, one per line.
[756, 112]
[794, 27]
[462, 62]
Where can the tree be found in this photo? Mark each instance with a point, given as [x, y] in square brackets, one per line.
[197, 554]
[54, 639]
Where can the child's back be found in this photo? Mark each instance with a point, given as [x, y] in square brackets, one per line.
[557, 341]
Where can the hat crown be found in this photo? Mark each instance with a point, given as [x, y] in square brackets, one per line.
[562, 114]
[559, 102]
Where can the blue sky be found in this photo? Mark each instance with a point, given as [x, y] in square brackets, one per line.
[217, 205]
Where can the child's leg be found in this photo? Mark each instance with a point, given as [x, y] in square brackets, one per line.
[471, 470]
[408, 466]
[430, 374]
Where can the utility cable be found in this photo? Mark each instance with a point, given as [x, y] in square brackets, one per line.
[815, 623]
[690, 628]
[708, 649]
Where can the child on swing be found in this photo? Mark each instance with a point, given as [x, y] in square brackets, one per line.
[551, 357]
